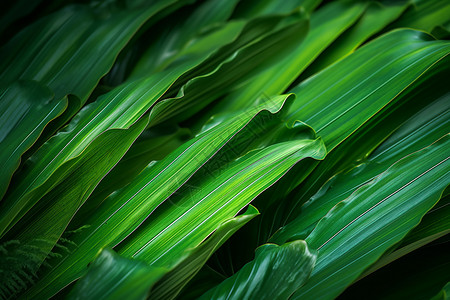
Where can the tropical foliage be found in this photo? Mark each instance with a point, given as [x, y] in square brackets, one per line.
[224, 149]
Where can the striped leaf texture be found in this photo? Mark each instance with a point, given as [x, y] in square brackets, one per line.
[224, 149]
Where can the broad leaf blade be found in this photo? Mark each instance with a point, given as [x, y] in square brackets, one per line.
[192, 261]
[321, 105]
[25, 109]
[87, 45]
[193, 217]
[275, 273]
[114, 277]
[123, 212]
[357, 231]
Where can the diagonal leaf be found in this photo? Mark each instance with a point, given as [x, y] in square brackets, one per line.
[409, 54]
[191, 261]
[251, 59]
[25, 109]
[418, 131]
[253, 8]
[45, 223]
[326, 24]
[358, 230]
[117, 109]
[434, 225]
[149, 148]
[419, 275]
[187, 220]
[275, 273]
[424, 15]
[123, 212]
[375, 18]
[114, 277]
[356, 149]
[87, 41]
[178, 32]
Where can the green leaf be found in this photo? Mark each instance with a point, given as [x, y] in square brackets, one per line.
[258, 8]
[419, 275]
[117, 109]
[251, 59]
[151, 146]
[391, 62]
[45, 223]
[26, 107]
[188, 219]
[424, 15]
[325, 26]
[179, 32]
[413, 134]
[275, 273]
[114, 277]
[434, 225]
[193, 259]
[358, 230]
[356, 149]
[121, 213]
[87, 43]
[375, 18]
[222, 43]
[318, 100]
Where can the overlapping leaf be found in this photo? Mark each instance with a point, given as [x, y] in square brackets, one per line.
[76, 32]
[420, 130]
[125, 278]
[177, 74]
[276, 273]
[355, 233]
[126, 210]
[192, 261]
[23, 106]
[409, 54]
